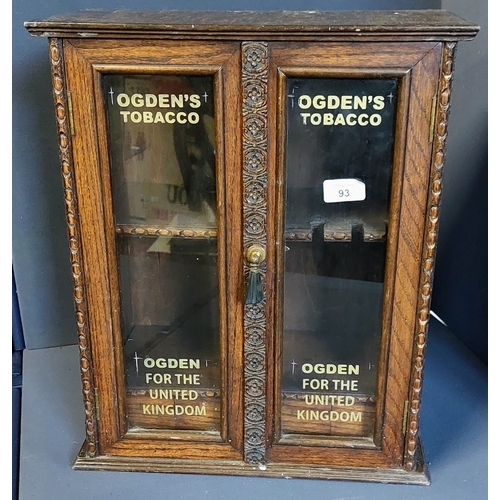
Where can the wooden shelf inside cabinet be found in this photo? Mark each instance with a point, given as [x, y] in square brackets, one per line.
[170, 232]
[332, 234]
[252, 203]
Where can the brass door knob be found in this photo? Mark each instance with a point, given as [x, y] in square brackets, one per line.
[255, 255]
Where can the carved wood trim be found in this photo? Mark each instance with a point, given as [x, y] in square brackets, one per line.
[255, 73]
[333, 235]
[171, 232]
[79, 296]
[429, 254]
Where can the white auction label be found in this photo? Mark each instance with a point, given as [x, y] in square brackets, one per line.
[339, 190]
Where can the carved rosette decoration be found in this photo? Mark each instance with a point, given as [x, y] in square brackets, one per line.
[429, 253]
[63, 129]
[255, 125]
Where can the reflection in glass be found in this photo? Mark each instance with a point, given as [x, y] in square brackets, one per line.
[162, 141]
[161, 136]
[340, 131]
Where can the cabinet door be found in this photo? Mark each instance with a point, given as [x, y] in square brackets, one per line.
[352, 168]
[153, 158]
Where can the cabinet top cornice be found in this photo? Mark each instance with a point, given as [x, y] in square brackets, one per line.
[407, 24]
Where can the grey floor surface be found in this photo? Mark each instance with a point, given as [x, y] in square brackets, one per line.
[453, 428]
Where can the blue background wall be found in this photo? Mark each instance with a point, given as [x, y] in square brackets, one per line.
[461, 278]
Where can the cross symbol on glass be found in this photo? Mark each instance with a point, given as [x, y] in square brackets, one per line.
[137, 358]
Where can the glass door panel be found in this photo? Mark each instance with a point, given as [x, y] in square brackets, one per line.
[338, 163]
[161, 136]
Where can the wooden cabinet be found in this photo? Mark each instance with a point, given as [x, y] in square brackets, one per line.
[252, 205]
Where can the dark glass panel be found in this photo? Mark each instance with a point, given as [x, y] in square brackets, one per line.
[339, 154]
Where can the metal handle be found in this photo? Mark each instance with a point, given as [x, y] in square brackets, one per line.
[255, 255]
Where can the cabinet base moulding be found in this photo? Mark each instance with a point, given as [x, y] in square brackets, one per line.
[419, 476]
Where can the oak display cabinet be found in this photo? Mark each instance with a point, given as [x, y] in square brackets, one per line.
[252, 206]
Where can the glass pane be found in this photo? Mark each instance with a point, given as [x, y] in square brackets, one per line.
[161, 136]
[339, 152]
[162, 139]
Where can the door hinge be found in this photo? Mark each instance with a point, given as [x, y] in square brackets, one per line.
[96, 404]
[433, 119]
[405, 416]
[70, 112]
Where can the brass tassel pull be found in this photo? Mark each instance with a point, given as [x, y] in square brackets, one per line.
[255, 255]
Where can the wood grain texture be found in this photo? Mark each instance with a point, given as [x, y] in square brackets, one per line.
[391, 264]
[201, 57]
[250, 55]
[373, 25]
[280, 470]
[274, 216]
[90, 140]
[75, 244]
[134, 445]
[347, 57]
[220, 117]
[233, 233]
[412, 211]
[416, 67]
[429, 252]
[114, 285]
[94, 249]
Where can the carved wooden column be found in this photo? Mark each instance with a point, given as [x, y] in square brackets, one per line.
[429, 251]
[64, 131]
[255, 133]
